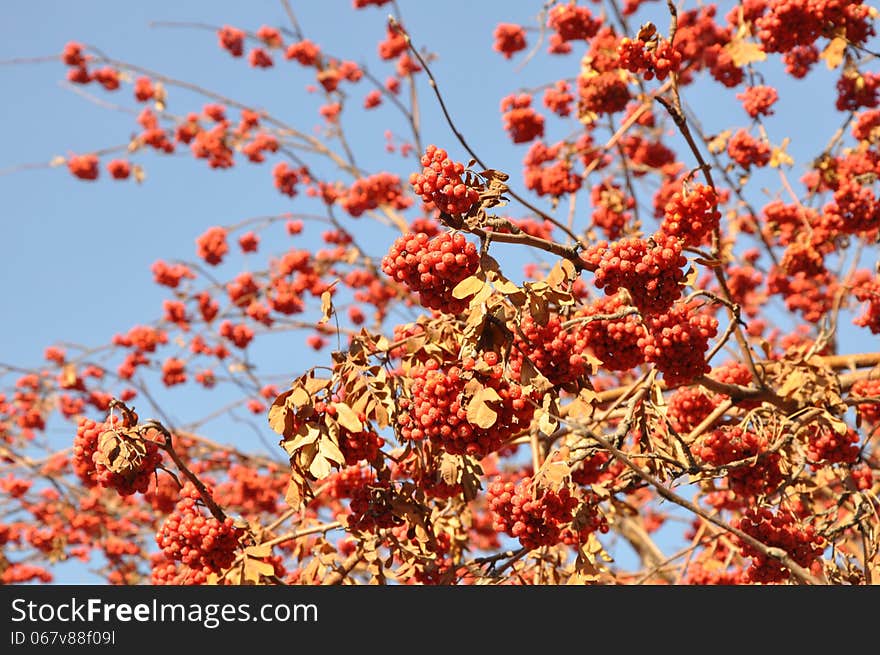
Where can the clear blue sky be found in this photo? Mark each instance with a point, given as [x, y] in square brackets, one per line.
[75, 257]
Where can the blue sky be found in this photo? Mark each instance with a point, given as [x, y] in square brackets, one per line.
[75, 258]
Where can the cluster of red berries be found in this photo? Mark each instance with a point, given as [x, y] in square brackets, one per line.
[438, 410]
[732, 444]
[287, 178]
[521, 121]
[687, 407]
[306, 52]
[748, 151]
[360, 446]
[570, 22]
[557, 352]
[855, 207]
[758, 100]
[433, 267]
[231, 39]
[371, 192]
[779, 529]
[240, 334]
[173, 371]
[676, 343]
[605, 93]
[539, 516]
[509, 39]
[650, 270]
[372, 507]
[692, 215]
[868, 412]
[212, 245]
[651, 58]
[826, 446]
[85, 167]
[441, 183]
[198, 541]
[555, 179]
[132, 476]
[597, 468]
[558, 98]
[868, 290]
[343, 483]
[611, 208]
[614, 341]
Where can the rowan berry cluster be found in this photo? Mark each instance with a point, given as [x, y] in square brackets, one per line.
[826, 446]
[438, 408]
[611, 208]
[368, 193]
[372, 507]
[509, 39]
[649, 58]
[556, 179]
[692, 215]
[539, 516]
[779, 529]
[570, 22]
[433, 267]
[605, 93]
[748, 151]
[557, 352]
[521, 121]
[687, 407]
[201, 542]
[650, 270]
[868, 411]
[614, 341]
[212, 245]
[676, 343]
[558, 98]
[733, 444]
[441, 183]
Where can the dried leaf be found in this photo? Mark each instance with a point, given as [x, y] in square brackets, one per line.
[278, 414]
[744, 52]
[326, 307]
[718, 143]
[479, 413]
[778, 156]
[833, 53]
[320, 466]
[468, 287]
[255, 570]
[449, 468]
[330, 451]
[346, 417]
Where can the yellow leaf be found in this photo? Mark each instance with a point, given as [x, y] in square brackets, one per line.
[779, 157]
[320, 467]
[259, 551]
[278, 418]
[547, 423]
[718, 143]
[331, 451]
[468, 287]
[839, 426]
[833, 53]
[299, 397]
[506, 286]
[745, 52]
[346, 417]
[479, 413]
[326, 307]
